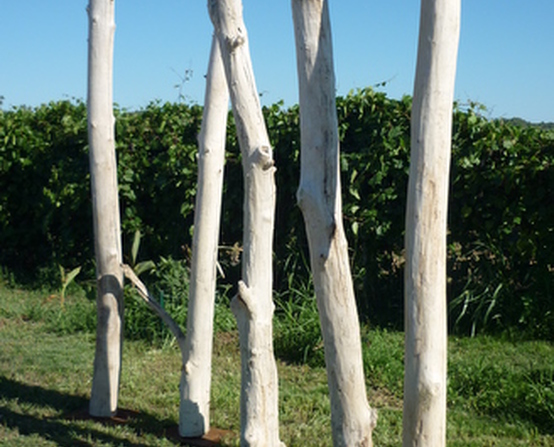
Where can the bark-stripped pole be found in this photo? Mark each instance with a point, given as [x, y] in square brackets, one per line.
[319, 198]
[253, 306]
[105, 207]
[425, 274]
[194, 413]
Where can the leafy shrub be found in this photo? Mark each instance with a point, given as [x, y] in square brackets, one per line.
[45, 212]
[500, 267]
[156, 149]
[375, 143]
[500, 226]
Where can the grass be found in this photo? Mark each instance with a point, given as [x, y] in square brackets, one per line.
[501, 392]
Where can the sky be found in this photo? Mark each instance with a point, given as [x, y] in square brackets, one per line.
[505, 59]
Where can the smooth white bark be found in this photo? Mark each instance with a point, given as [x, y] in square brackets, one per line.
[194, 413]
[105, 205]
[319, 198]
[425, 274]
[253, 306]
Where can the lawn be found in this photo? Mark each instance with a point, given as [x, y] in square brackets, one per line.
[501, 392]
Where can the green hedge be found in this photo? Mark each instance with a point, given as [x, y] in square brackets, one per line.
[500, 222]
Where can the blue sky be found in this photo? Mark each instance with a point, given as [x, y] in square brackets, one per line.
[506, 56]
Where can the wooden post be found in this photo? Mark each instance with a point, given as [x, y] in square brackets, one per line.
[319, 198]
[425, 274]
[194, 410]
[253, 306]
[105, 207]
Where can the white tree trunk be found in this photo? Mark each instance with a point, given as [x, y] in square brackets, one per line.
[253, 306]
[319, 198]
[425, 274]
[105, 205]
[194, 414]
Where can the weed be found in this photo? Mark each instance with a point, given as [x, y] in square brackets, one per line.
[297, 329]
[475, 308]
[143, 266]
[66, 278]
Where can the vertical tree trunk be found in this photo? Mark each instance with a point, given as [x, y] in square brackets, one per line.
[105, 205]
[253, 305]
[194, 419]
[319, 199]
[425, 275]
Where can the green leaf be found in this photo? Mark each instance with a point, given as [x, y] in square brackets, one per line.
[135, 247]
[72, 275]
[144, 266]
[355, 227]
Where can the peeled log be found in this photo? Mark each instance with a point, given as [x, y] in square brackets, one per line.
[253, 305]
[319, 198]
[427, 203]
[194, 409]
[105, 210]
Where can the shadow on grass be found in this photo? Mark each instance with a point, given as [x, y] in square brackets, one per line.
[65, 429]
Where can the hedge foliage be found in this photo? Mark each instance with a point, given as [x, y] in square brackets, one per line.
[501, 230]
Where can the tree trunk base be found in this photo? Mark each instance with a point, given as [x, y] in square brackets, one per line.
[213, 438]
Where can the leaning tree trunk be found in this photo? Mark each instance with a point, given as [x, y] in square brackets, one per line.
[253, 305]
[425, 274]
[319, 198]
[105, 207]
[194, 418]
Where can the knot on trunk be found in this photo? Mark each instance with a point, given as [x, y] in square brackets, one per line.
[233, 42]
[263, 158]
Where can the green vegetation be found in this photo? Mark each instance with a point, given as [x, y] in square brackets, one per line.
[500, 263]
[500, 392]
[500, 271]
